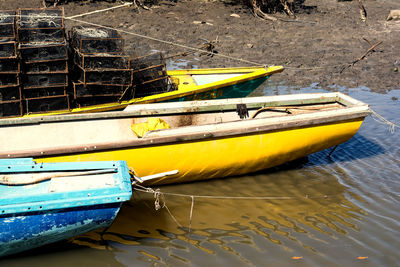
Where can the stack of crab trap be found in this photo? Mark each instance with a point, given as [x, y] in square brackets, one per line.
[101, 72]
[44, 57]
[10, 89]
[150, 75]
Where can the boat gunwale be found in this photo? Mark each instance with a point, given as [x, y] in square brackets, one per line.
[173, 108]
[208, 132]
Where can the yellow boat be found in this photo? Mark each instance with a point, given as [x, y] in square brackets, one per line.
[194, 84]
[200, 139]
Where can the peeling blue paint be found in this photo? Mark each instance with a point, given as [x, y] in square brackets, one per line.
[31, 216]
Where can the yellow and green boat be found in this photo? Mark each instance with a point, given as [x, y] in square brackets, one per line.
[200, 139]
[194, 84]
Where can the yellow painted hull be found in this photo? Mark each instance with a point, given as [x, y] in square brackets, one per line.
[244, 77]
[221, 157]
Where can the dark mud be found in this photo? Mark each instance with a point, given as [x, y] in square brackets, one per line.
[317, 48]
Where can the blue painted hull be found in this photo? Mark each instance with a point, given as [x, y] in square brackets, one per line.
[21, 232]
[75, 198]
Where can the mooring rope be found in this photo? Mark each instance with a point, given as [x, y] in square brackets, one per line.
[100, 10]
[383, 120]
[159, 200]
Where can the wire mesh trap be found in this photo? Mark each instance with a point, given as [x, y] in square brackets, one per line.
[92, 40]
[38, 80]
[43, 92]
[11, 108]
[7, 24]
[150, 75]
[7, 48]
[110, 77]
[101, 61]
[36, 52]
[10, 65]
[10, 93]
[97, 90]
[9, 79]
[40, 18]
[46, 104]
[50, 66]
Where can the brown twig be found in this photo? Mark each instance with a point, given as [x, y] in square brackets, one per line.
[371, 49]
[363, 11]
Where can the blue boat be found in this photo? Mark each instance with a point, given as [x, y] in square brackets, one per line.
[42, 203]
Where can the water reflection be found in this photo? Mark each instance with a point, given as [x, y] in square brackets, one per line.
[337, 210]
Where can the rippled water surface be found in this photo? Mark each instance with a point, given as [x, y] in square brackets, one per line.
[338, 210]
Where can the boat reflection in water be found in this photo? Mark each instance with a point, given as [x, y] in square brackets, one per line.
[304, 210]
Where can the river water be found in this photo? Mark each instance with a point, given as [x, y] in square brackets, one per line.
[338, 210]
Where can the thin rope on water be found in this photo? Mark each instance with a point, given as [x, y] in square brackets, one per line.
[379, 118]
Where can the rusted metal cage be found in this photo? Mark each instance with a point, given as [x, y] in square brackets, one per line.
[9, 79]
[43, 92]
[105, 77]
[11, 108]
[7, 48]
[93, 40]
[10, 93]
[95, 90]
[96, 100]
[39, 80]
[150, 75]
[41, 25]
[36, 52]
[146, 61]
[46, 104]
[49, 66]
[7, 24]
[39, 18]
[10, 65]
[101, 61]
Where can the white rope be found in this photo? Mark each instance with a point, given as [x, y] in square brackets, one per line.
[168, 42]
[98, 11]
[381, 119]
[191, 214]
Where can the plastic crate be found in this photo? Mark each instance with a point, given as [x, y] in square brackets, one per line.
[46, 66]
[46, 104]
[102, 61]
[43, 52]
[93, 40]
